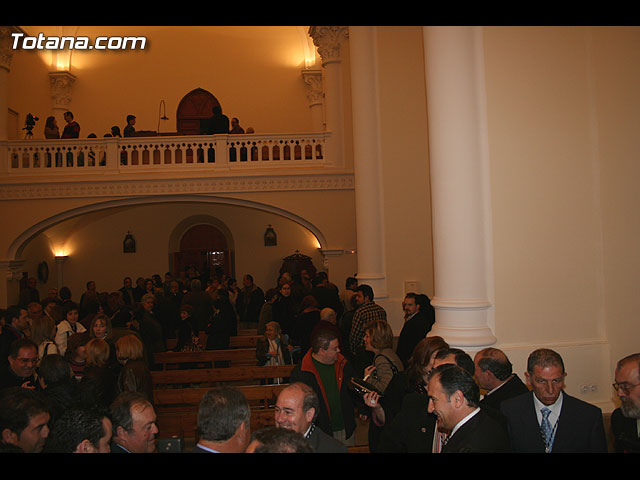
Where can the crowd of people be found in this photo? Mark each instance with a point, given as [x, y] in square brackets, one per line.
[76, 375]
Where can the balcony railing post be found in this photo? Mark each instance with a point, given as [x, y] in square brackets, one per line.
[222, 150]
[113, 155]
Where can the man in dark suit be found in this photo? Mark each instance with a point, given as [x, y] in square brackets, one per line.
[296, 409]
[419, 318]
[494, 373]
[224, 422]
[454, 398]
[134, 424]
[549, 420]
[625, 420]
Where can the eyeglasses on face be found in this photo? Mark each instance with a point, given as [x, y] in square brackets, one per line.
[624, 386]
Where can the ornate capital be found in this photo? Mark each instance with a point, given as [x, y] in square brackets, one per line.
[61, 83]
[328, 39]
[6, 42]
[313, 86]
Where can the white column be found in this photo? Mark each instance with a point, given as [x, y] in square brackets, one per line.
[369, 195]
[329, 39]
[459, 185]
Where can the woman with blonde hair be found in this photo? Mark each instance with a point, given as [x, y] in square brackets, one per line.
[378, 338]
[43, 333]
[98, 385]
[135, 375]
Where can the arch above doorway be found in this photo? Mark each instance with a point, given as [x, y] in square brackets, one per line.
[202, 233]
[194, 107]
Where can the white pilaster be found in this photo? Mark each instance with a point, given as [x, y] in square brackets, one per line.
[459, 184]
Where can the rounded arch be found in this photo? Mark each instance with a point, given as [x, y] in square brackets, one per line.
[16, 247]
[177, 252]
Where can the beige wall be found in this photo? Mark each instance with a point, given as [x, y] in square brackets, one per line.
[563, 108]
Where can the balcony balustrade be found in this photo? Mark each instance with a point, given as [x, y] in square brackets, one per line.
[201, 153]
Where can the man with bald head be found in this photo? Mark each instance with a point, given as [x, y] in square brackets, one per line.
[494, 373]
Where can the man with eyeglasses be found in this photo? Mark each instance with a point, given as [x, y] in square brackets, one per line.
[21, 369]
[625, 420]
[547, 419]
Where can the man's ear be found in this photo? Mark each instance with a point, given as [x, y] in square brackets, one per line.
[309, 414]
[9, 436]
[120, 432]
[85, 447]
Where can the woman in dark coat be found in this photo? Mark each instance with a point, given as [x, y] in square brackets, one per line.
[134, 375]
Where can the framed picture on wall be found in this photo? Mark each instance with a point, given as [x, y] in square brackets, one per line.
[129, 244]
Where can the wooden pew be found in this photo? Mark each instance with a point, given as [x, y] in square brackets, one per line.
[184, 424]
[177, 408]
[231, 375]
[238, 341]
[168, 399]
[235, 357]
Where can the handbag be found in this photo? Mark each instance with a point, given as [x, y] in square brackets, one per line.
[362, 387]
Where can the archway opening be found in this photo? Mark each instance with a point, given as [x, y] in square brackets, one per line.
[205, 249]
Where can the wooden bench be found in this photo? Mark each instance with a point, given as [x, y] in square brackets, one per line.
[167, 399]
[235, 357]
[246, 375]
[238, 341]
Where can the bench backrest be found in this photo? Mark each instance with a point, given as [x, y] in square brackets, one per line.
[230, 374]
[236, 356]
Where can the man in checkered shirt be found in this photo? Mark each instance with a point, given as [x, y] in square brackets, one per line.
[366, 312]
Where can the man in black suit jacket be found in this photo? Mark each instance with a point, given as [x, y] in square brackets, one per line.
[419, 318]
[625, 420]
[573, 425]
[494, 373]
[454, 398]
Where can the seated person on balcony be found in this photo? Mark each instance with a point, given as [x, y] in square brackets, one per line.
[235, 126]
[115, 132]
[51, 129]
[129, 130]
[72, 128]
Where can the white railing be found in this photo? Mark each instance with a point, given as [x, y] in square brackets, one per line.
[170, 153]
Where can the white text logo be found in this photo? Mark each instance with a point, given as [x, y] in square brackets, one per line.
[77, 43]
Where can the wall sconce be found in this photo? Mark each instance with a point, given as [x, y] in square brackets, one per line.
[162, 113]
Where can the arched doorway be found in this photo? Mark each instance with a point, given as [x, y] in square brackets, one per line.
[194, 107]
[204, 248]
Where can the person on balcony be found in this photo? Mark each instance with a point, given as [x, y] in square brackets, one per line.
[72, 128]
[236, 129]
[51, 129]
[218, 123]
[129, 130]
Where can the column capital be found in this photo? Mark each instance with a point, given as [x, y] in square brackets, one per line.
[12, 268]
[60, 84]
[6, 51]
[313, 86]
[329, 39]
